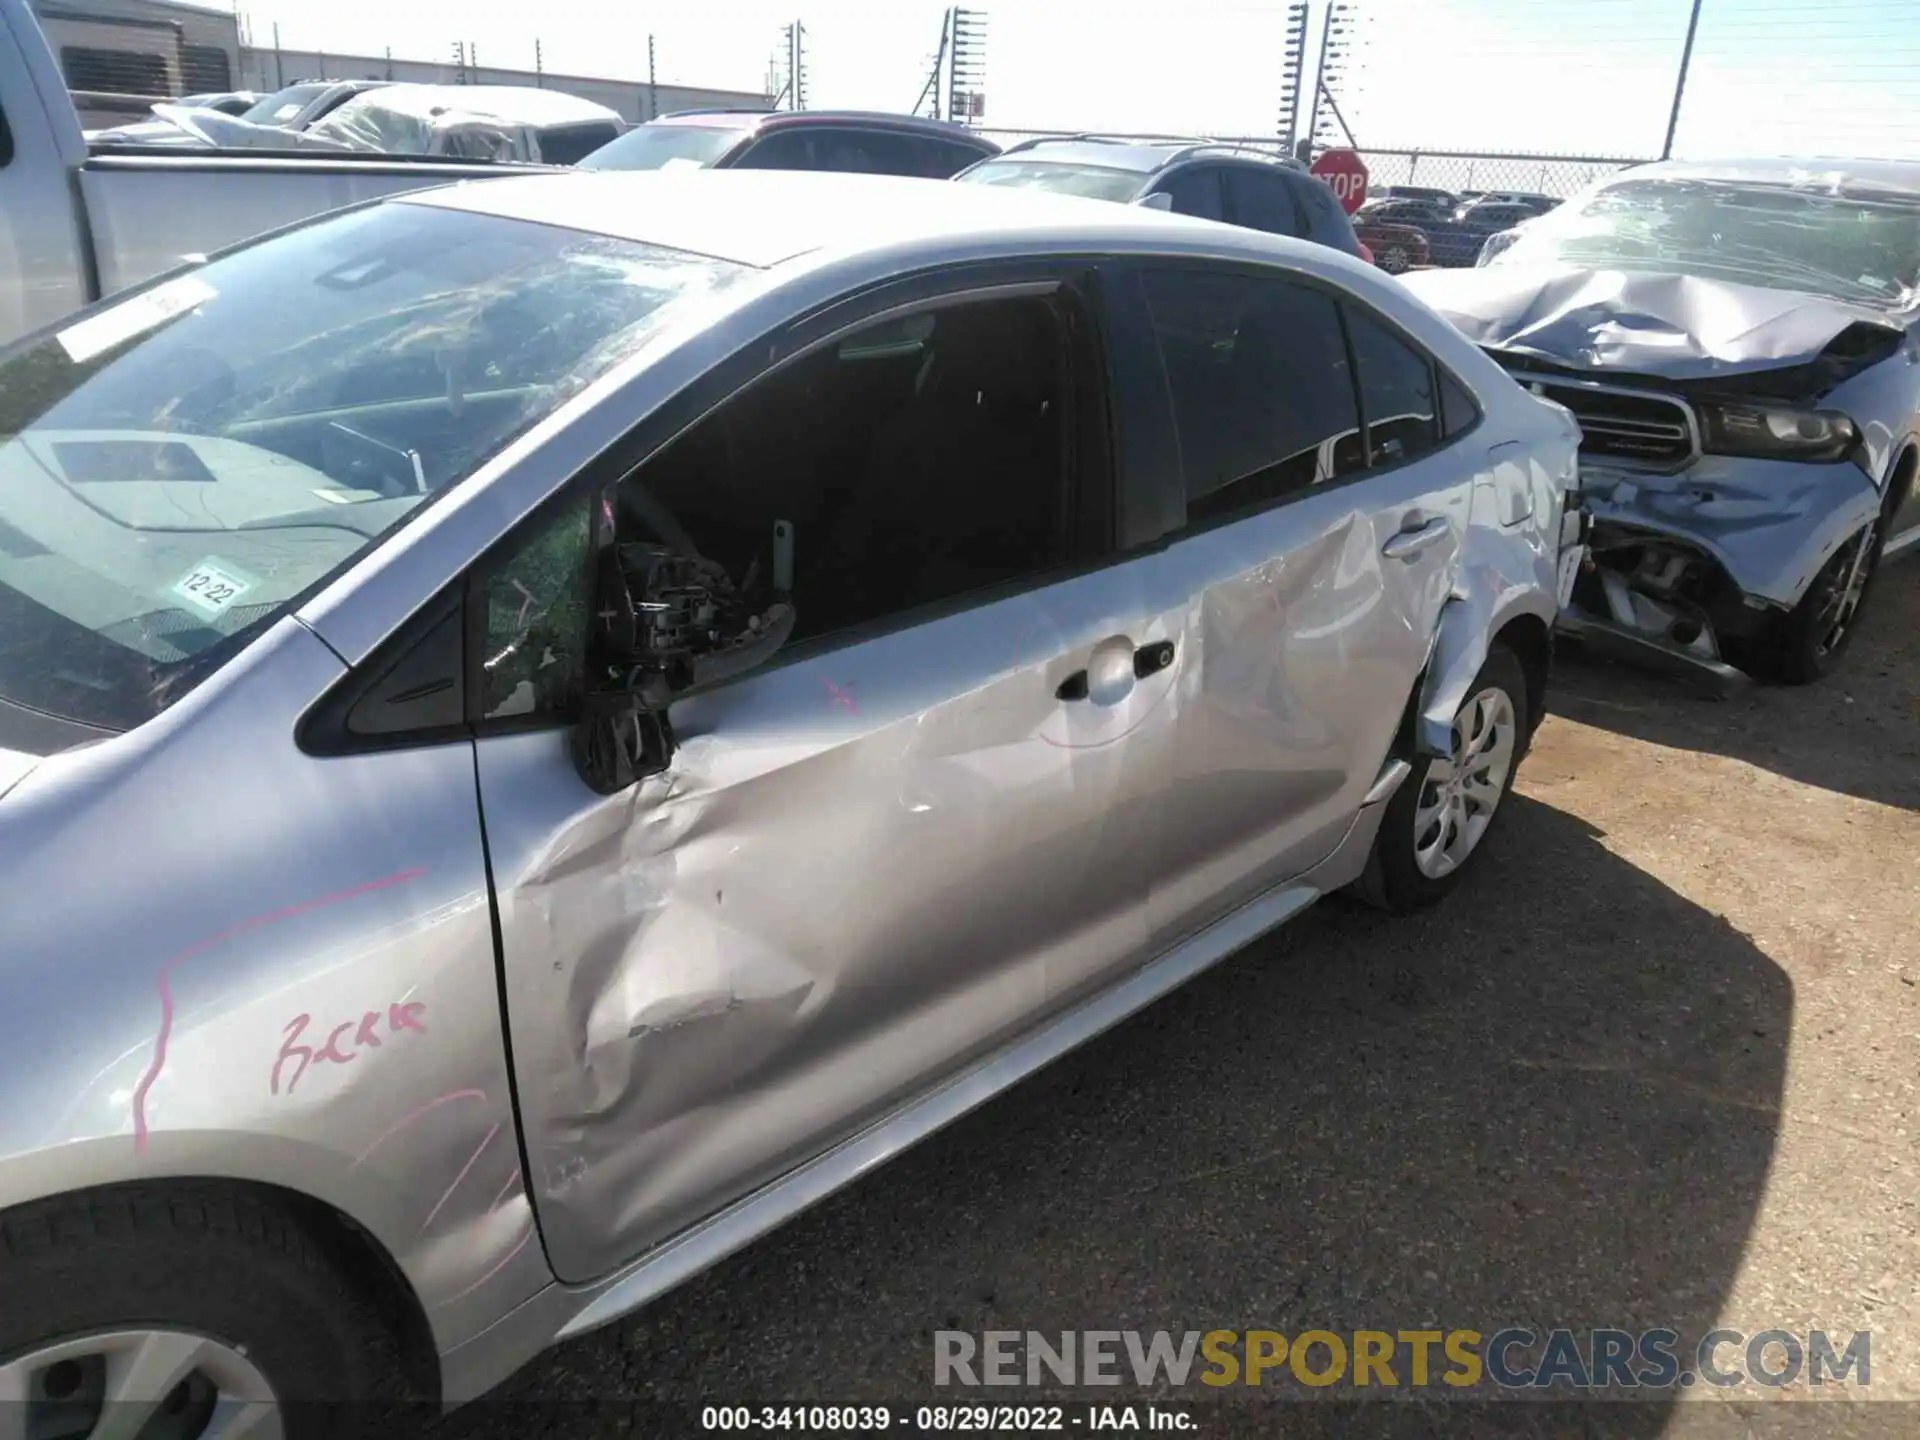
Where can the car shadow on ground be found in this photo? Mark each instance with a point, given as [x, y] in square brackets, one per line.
[1857, 732]
[1550, 1101]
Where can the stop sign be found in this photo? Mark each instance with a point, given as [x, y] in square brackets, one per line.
[1346, 173]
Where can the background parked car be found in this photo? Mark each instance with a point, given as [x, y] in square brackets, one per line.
[859, 141]
[1397, 246]
[295, 108]
[1741, 344]
[526, 850]
[1213, 182]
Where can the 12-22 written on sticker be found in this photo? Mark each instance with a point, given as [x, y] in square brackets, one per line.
[211, 587]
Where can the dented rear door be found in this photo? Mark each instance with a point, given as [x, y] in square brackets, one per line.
[1310, 590]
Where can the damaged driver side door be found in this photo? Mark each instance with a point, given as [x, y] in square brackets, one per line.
[854, 870]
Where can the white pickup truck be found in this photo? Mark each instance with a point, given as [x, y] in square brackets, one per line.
[77, 225]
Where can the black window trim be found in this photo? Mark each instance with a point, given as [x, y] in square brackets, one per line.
[1342, 299]
[321, 730]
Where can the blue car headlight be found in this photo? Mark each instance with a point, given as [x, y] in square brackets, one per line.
[1776, 432]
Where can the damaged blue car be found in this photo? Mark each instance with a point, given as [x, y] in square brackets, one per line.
[1738, 342]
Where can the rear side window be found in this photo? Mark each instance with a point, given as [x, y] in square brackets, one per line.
[1196, 191]
[1262, 202]
[1325, 219]
[1458, 411]
[1396, 391]
[1263, 395]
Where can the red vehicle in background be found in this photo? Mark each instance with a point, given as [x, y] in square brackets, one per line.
[1395, 248]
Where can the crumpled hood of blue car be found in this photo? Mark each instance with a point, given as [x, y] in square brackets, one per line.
[1678, 327]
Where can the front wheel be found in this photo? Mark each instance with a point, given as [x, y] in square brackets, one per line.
[182, 1312]
[1815, 636]
[1438, 819]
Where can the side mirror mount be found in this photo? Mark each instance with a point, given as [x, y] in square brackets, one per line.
[1158, 200]
[619, 740]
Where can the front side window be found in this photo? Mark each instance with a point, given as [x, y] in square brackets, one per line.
[179, 466]
[910, 464]
[1852, 248]
[1396, 391]
[661, 146]
[1263, 395]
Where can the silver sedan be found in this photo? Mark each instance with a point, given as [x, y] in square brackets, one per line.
[547, 725]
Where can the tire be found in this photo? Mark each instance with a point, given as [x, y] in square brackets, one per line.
[201, 1261]
[1394, 260]
[1813, 639]
[1398, 877]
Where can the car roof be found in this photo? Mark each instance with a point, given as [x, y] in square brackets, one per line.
[790, 119]
[724, 213]
[1833, 175]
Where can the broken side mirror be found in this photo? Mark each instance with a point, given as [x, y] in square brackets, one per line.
[619, 740]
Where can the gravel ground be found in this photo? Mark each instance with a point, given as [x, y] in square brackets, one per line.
[1654, 1065]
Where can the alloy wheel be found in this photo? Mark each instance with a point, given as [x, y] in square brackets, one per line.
[148, 1384]
[1460, 792]
[1845, 579]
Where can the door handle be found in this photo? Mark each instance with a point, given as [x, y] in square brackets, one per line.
[1409, 543]
[1147, 660]
[1152, 659]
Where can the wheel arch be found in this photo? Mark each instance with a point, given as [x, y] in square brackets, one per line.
[348, 1246]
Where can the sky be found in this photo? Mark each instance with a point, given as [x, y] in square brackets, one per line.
[1585, 77]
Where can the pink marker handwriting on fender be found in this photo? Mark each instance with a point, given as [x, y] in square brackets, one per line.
[841, 696]
[254, 922]
[366, 1037]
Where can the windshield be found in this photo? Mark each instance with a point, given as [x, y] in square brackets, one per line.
[283, 105]
[1095, 182]
[1848, 248]
[177, 468]
[665, 147]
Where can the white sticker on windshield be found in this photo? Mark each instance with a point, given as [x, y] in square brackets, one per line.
[100, 333]
[342, 496]
[287, 111]
[681, 162]
[211, 587]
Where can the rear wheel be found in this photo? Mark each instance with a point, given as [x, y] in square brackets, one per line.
[183, 1312]
[1438, 820]
[1395, 260]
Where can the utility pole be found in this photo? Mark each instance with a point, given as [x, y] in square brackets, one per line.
[796, 89]
[653, 90]
[1292, 58]
[279, 62]
[1336, 35]
[539, 65]
[932, 88]
[966, 65]
[1680, 82]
